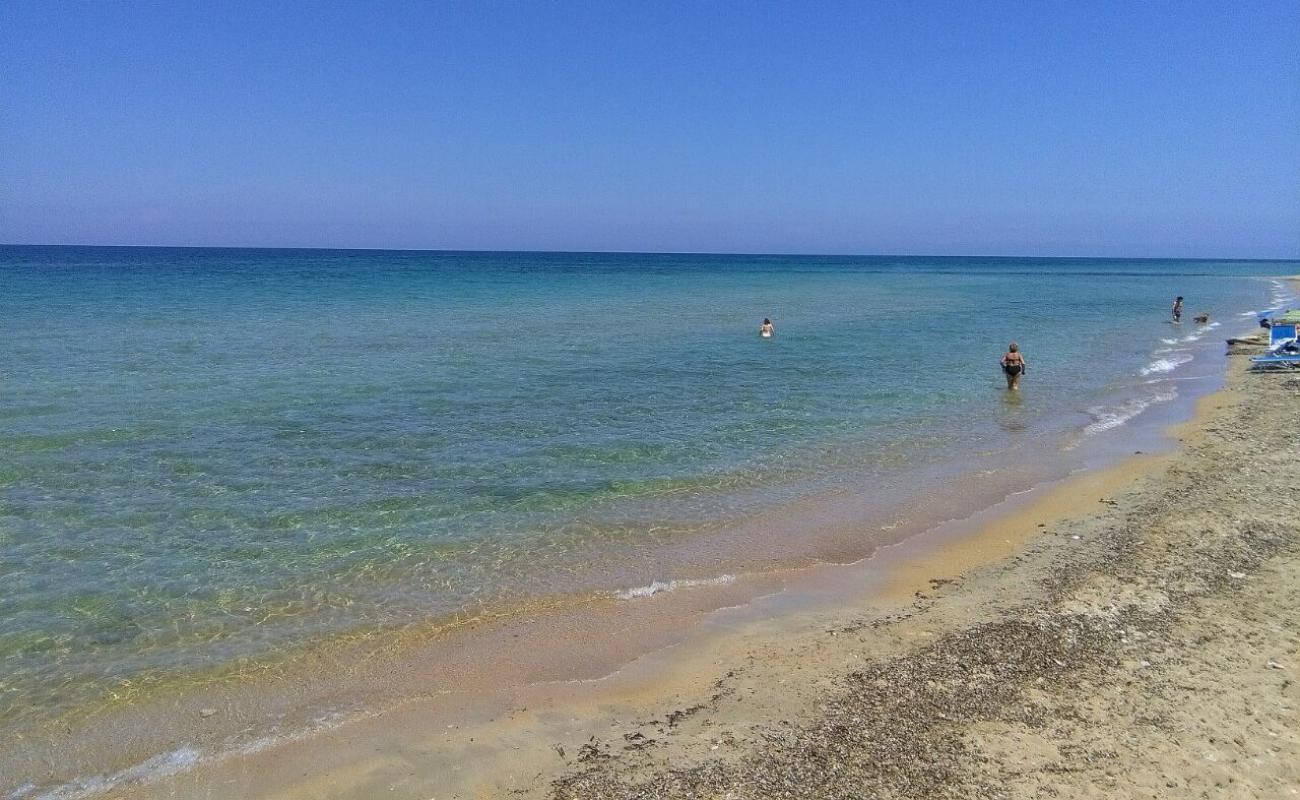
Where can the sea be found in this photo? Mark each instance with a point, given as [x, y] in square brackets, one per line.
[215, 456]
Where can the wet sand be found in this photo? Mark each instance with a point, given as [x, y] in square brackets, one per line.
[1129, 632]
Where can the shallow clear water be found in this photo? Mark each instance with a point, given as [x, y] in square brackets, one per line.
[210, 454]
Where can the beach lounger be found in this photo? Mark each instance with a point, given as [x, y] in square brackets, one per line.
[1283, 347]
[1275, 362]
[1280, 334]
[1282, 341]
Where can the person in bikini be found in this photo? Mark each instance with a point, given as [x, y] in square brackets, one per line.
[1013, 364]
[766, 330]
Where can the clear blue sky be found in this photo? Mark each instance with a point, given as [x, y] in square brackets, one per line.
[1052, 128]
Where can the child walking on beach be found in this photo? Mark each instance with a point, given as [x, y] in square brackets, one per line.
[1013, 364]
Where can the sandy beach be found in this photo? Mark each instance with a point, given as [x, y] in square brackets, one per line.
[1148, 649]
[506, 401]
[1130, 632]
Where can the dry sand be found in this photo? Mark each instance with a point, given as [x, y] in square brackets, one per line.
[1133, 633]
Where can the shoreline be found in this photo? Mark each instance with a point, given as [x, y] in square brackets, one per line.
[692, 616]
[211, 718]
[511, 740]
[1143, 649]
[891, 575]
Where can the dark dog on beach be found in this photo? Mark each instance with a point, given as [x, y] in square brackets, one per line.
[1201, 319]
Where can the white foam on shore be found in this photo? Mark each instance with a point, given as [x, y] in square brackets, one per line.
[1200, 332]
[160, 766]
[167, 764]
[658, 587]
[1168, 364]
[1282, 296]
[1169, 341]
[1106, 418]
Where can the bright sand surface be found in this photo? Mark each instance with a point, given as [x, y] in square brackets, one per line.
[1129, 632]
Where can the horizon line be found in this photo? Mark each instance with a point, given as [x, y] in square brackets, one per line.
[642, 252]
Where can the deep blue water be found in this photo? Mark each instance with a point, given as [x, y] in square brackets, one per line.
[209, 454]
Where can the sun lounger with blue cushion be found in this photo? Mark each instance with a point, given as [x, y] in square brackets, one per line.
[1275, 362]
[1280, 334]
[1283, 348]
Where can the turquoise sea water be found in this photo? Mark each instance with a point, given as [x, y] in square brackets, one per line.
[212, 454]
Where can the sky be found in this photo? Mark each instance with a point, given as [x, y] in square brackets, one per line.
[1153, 129]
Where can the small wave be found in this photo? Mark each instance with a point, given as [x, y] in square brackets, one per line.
[1105, 418]
[1165, 380]
[1166, 364]
[1212, 326]
[166, 764]
[160, 766]
[1248, 313]
[1169, 341]
[1194, 337]
[658, 587]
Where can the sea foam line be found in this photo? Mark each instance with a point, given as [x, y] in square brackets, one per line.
[160, 766]
[1106, 418]
[658, 587]
[1168, 364]
[170, 763]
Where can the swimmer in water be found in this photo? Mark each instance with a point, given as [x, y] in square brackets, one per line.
[1013, 364]
[766, 330]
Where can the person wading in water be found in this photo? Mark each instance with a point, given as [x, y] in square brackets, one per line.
[1013, 364]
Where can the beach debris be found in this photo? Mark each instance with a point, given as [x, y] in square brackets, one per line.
[592, 751]
[637, 741]
[680, 714]
[1274, 665]
[207, 712]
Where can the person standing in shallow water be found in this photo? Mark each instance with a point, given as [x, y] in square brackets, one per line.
[766, 330]
[1178, 308]
[1013, 365]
